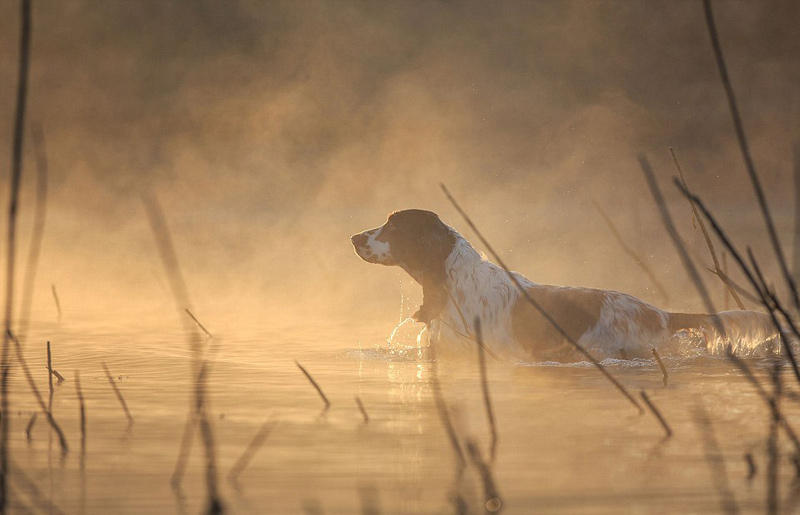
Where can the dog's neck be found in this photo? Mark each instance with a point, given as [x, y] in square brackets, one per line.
[477, 288]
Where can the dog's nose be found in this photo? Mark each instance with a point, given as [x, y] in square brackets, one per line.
[359, 240]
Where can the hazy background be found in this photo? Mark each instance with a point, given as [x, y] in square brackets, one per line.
[272, 131]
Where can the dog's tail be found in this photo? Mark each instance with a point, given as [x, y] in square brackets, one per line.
[746, 332]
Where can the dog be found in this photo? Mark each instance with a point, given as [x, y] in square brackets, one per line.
[459, 285]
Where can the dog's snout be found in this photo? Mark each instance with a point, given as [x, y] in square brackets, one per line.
[359, 240]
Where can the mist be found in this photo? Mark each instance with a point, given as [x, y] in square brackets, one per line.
[272, 131]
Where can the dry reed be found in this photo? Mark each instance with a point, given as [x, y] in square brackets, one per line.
[709, 243]
[492, 501]
[314, 384]
[796, 250]
[15, 178]
[752, 470]
[50, 378]
[31, 423]
[632, 253]
[657, 413]
[487, 399]
[39, 399]
[624, 391]
[55, 298]
[664, 374]
[37, 234]
[773, 461]
[677, 241]
[196, 321]
[444, 414]
[198, 412]
[362, 410]
[743, 145]
[82, 405]
[251, 450]
[741, 263]
[715, 461]
[118, 393]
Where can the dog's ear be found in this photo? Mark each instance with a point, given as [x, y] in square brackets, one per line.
[436, 246]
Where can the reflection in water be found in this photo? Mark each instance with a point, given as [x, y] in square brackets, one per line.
[566, 442]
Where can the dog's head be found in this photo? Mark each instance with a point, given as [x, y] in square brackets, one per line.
[419, 242]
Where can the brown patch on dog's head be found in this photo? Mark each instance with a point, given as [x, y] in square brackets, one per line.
[419, 242]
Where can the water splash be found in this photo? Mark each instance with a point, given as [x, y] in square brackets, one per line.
[392, 337]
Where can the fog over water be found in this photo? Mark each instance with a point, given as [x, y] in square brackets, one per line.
[272, 131]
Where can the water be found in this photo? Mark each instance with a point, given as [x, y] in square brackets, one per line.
[568, 442]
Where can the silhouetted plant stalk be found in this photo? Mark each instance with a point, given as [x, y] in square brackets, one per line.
[362, 410]
[796, 252]
[492, 501]
[444, 414]
[251, 450]
[677, 241]
[198, 415]
[79, 392]
[30, 425]
[624, 391]
[749, 274]
[767, 398]
[772, 443]
[11, 241]
[34, 250]
[49, 378]
[632, 253]
[55, 298]
[657, 413]
[38, 498]
[715, 461]
[709, 243]
[39, 399]
[744, 147]
[118, 393]
[752, 470]
[739, 289]
[487, 398]
[315, 385]
[208, 334]
[664, 374]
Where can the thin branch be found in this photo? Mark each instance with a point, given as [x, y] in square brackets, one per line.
[664, 374]
[40, 213]
[444, 414]
[676, 239]
[632, 253]
[79, 392]
[657, 413]
[487, 399]
[196, 321]
[314, 384]
[362, 410]
[539, 308]
[709, 243]
[11, 241]
[748, 160]
[716, 462]
[39, 399]
[118, 394]
[55, 299]
[251, 449]
[741, 290]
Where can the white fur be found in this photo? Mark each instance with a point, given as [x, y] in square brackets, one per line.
[375, 251]
[479, 288]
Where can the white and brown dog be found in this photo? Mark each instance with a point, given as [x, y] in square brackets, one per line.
[460, 285]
